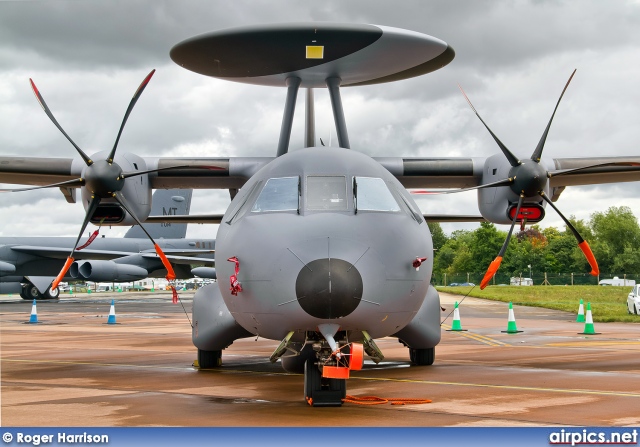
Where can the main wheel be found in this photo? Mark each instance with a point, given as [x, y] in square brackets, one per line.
[31, 292]
[209, 359]
[422, 357]
[52, 294]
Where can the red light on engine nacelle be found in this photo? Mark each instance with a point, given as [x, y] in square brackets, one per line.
[532, 212]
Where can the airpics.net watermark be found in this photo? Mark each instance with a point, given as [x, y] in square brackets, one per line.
[61, 438]
[591, 437]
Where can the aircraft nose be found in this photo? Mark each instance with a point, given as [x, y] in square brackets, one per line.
[329, 288]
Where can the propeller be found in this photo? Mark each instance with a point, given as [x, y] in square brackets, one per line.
[528, 178]
[103, 178]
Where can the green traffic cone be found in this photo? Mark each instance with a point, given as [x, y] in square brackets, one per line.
[580, 317]
[456, 325]
[588, 325]
[511, 324]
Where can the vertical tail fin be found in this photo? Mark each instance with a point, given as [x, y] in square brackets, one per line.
[175, 202]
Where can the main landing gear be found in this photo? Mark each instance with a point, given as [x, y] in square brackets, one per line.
[422, 357]
[30, 292]
[209, 359]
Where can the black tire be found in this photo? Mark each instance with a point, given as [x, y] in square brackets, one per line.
[209, 359]
[295, 364]
[32, 292]
[339, 385]
[312, 379]
[23, 292]
[52, 294]
[422, 357]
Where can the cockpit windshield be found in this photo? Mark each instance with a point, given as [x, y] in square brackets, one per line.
[326, 193]
[372, 194]
[279, 194]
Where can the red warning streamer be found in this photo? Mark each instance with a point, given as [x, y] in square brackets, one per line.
[91, 239]
[235, 285]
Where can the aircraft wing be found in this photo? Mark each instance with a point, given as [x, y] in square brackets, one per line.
[233, 172]
[63, 252]
[191, 218]
[88, 254]
[37, 171]
[182, 259]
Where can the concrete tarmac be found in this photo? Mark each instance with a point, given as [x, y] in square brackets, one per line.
[73, 369]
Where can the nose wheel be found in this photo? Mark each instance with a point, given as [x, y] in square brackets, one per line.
[320, 391]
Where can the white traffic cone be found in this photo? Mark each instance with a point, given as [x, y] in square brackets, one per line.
[112, 314]
[34, 313]
[588, 325]
[511, 324]
[456, 325]
[580, 317]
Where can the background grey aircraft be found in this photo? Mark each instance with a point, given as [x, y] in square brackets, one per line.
[327, 249]
[29, 265]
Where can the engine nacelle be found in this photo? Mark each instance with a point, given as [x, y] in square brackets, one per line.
[498, 205]
[107, 271]
[136, 190]
[214, 328]
[204, 272]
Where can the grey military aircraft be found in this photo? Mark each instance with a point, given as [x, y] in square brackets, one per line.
[326, 249]
[28, 265]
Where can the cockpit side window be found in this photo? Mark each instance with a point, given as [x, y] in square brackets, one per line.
[279, 194]
[409, 208]
[326, 193]
[241, 207]
[372, 194]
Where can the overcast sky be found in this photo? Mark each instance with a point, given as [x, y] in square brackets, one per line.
[513, 58]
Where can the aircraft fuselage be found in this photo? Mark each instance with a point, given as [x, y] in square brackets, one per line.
[324, 235]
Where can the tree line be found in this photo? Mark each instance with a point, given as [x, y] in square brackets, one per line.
[614, 237]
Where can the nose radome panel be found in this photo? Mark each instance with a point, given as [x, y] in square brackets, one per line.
[329, 288]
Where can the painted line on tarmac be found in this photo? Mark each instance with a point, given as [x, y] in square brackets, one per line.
[378, 379]
[477, 337]
[588, 343]
[505, 387]
[72, 362]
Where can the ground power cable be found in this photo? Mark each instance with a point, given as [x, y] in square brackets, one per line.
[445, 318]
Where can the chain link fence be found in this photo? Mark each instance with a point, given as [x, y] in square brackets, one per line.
[553, 279]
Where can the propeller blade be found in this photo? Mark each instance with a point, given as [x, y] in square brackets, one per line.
[495, 264]
[538, 152]
[513, 160]
[165, 262]
[44, 106]
[75, 182]
[631, 164]
[134, 173]
[584, 246]
[95, 201]
[504, 182]
[136, 95]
